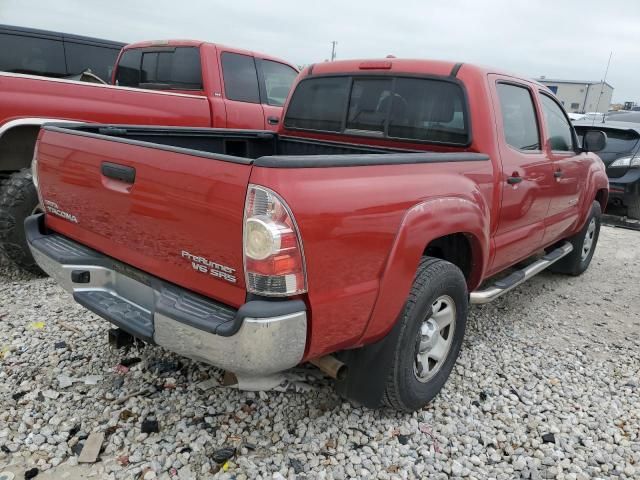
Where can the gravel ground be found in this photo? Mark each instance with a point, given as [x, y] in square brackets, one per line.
[547, 386]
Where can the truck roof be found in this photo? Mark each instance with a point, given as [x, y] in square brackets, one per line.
[199, 43]
[408, 65]
[435, 67]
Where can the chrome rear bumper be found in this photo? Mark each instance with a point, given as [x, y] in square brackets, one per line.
[260, 338]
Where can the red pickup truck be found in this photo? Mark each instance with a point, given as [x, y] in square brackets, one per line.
[178, 82]
[355, 237]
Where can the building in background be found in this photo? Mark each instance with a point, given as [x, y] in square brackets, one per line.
[581, 96]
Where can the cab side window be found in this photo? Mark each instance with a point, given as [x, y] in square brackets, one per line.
[558, 127]
[277, 81]
[518, 117]
[240, 78]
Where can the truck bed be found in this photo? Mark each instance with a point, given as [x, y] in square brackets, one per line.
[247, 144]
[156, 198]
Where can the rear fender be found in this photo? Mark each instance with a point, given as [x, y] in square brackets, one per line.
[17, 140]
[422, 224]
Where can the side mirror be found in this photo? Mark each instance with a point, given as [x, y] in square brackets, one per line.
[594, 141]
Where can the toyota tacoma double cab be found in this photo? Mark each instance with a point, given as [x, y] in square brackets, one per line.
[177, 82]
[354, 238]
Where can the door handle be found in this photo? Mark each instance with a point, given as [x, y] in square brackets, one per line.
[558, 174]
[122, 173]
[514, 180]
[273, 120]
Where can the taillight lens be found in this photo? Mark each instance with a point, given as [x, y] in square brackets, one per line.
[273, 255]
[36, 178]
[34, 167]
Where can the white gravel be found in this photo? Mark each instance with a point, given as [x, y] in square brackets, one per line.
[547, 386]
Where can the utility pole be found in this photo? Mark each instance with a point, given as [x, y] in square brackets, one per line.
[333, 50]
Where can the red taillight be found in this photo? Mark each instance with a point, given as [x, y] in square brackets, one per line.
[273, 256]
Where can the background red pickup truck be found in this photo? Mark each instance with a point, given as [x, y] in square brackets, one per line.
[364, 228]
[175, 82]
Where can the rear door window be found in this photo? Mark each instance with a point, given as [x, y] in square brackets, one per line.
[240, 77]
[32, 55]
[429, 110]
[278, 78]
[318, 104]
[518, 117]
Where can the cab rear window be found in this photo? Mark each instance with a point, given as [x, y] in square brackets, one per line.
[429, 110]
[163, 68]
[318, 104]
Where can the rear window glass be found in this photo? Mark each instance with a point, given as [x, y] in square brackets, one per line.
[32, 55]
[428, 110]
[318, 104]
[174, 68]
[405, 108]
[369, 104]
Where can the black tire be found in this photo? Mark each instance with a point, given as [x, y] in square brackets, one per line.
[435, 278]
[633, 206]
[574, 263]
[18, 200]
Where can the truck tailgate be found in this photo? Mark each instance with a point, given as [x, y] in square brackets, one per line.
[172, 214]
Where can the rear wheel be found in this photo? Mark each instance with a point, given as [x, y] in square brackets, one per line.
[432, 328]
[18, 200]
[584, 245]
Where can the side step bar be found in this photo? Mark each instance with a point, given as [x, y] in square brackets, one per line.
[501, 287]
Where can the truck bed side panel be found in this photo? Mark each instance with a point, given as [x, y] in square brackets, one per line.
[349, 218]
[65, 99]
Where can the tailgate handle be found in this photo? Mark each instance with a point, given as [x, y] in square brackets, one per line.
[119, 172]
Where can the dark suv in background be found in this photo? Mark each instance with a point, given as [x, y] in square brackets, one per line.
[621, 156]
[54, 54]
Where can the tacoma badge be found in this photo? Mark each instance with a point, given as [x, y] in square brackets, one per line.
[52, 208]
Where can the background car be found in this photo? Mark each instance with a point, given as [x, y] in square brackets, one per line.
[621, 157]
[55, 54]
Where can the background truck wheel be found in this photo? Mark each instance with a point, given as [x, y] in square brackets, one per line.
[18, 200]
[432, 328]
[584, 245]
[633, 206]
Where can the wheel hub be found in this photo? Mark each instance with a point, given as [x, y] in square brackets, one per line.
[587, 244]
[435, 338]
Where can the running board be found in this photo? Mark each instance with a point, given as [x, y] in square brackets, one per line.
[520, 276]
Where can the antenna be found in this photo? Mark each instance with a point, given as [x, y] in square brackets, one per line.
[606, 71]
[333, 50]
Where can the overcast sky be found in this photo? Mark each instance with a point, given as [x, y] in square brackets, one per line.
[568, 39]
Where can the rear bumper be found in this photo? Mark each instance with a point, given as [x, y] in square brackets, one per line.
[259, 338]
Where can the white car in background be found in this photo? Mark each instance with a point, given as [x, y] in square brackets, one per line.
[574, 117]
